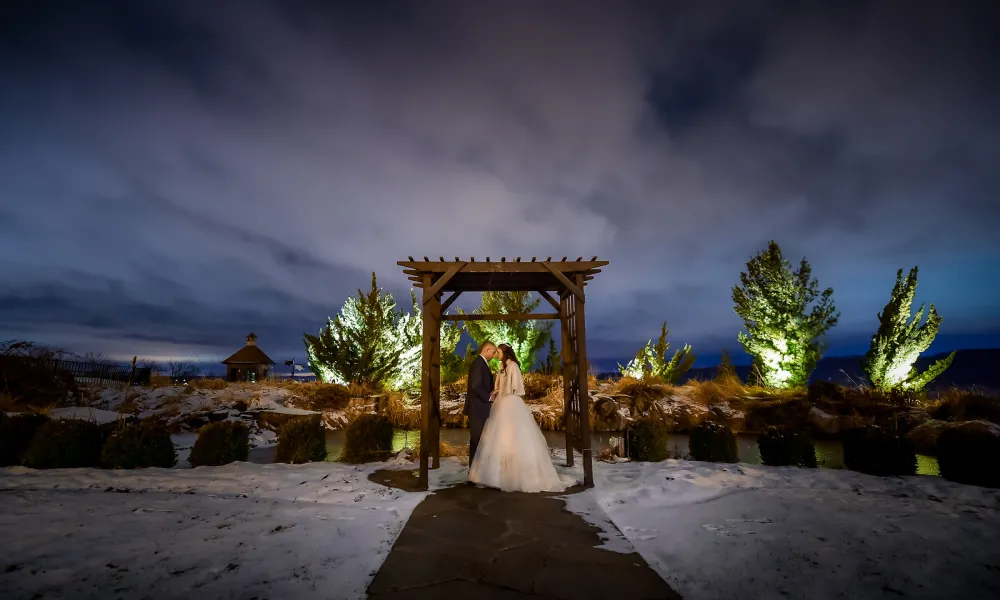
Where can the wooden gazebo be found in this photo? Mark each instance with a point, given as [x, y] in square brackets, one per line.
[567, 278]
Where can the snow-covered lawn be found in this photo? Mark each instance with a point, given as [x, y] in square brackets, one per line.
[277, 531]
[741, 531]
[323, 530]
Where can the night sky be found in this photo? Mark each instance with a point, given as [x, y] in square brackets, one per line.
[175, 174]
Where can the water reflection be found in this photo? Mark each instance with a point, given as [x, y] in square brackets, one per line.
[829, 454]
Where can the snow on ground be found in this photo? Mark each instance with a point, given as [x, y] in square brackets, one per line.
[86, 413]
[320, 530]
[739, 531]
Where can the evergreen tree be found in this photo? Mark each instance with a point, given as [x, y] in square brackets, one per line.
[553, 364]
[651, 361]
[363, 344]
[726, 370]
[782, 333]
[897, 344]
[411, 330]
[525, 337]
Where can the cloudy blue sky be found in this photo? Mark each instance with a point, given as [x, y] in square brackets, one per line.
[174, 174]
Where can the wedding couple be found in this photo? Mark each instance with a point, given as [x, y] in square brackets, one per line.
[506, 448]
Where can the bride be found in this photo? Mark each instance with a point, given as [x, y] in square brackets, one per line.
[513, 455]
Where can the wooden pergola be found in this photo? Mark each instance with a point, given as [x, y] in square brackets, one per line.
[565, 278]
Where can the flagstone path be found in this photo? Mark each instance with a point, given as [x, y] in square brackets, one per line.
[471, 542]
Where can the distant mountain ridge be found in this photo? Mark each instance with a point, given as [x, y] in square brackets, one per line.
[971, 368]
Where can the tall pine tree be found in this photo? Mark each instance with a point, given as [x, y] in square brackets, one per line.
[363, 344]
[895, 347]
[782, 333]
[525, 337]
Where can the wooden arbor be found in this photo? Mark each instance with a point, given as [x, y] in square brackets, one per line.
[566, 278]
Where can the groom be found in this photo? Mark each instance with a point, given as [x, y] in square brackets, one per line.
[479, 395]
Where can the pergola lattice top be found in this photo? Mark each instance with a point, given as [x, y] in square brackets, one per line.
[508, 275]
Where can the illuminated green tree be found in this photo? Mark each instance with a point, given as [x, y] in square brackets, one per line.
[782, 332]
[899, 341]
[525, 337]
[651, 361]
[372, 343]
[411, 332]
[363, 344]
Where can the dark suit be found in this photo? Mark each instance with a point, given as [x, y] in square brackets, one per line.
[477, 401]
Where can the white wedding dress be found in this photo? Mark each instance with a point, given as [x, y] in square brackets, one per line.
[513, 455]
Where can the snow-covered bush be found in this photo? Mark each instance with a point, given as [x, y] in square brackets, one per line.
[368, 438]
[66, 444]
[16, 433]
[878, 451]
[781, 447]
[146, 444]
[300, 441]
[647, 440]
[711, 442]
[221, 443]
[970, 453]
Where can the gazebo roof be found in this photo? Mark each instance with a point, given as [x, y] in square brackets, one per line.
[249, 355]
[508, 275]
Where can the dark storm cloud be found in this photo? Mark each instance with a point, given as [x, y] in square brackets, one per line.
[246, 165]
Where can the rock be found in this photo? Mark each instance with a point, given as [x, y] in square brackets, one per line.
[240, 406]
[824, 422]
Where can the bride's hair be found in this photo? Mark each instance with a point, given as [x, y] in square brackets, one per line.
[507, 353]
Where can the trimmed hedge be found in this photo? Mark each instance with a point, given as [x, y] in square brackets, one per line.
[647, 440]
[16, 433]
[67, 444]
[711, 442]
[368, 438]
[970, 453]
[146, 444]
[300, 441]
[780, 447]
[221, 443]
[878, 451]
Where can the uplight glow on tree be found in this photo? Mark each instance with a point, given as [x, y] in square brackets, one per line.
[782, 331]
[899, 341]
[651, 361]
[525, 337]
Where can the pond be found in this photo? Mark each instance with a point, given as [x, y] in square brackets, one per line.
[830, 454]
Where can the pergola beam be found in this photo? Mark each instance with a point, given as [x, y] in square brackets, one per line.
[576, 291]
[444, 279]
[451, 300]
[503, 317]
[548, 298]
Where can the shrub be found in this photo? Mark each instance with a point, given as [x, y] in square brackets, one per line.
[878, 451]
[221, 443]
[368, 438]
[785, 447]
[147, 444]
[300, 441]
[66, 444]
[959, 405]
[16, 433]
[647, 440]
[970, 453]
[711, 442]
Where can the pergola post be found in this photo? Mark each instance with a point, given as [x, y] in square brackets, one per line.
[430, 382]
[567, 373]
[583, 372]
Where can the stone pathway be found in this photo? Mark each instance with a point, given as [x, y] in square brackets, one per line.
[470, 542]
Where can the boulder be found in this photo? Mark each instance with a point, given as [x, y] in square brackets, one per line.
[824, 422]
